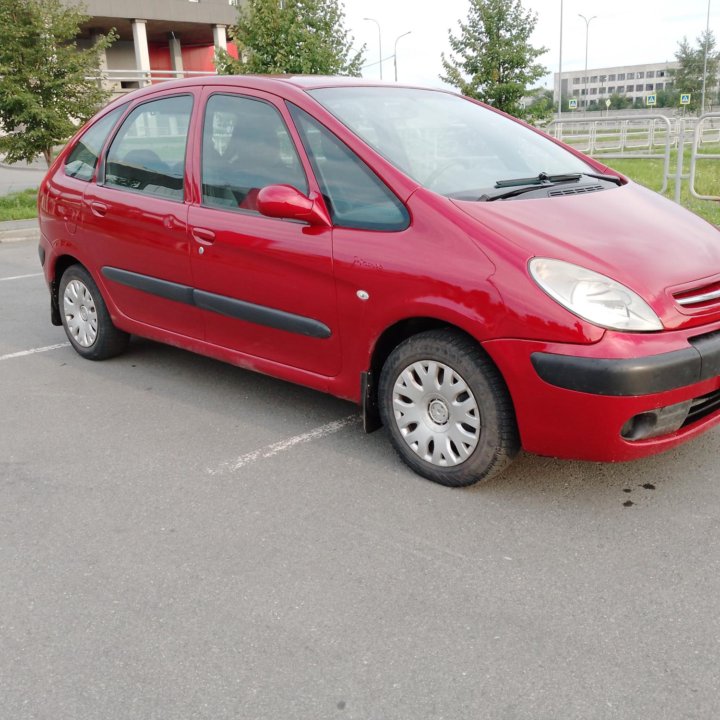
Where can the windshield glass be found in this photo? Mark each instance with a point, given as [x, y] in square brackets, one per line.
[446, 143]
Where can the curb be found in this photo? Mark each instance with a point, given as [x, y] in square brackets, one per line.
[19, 231]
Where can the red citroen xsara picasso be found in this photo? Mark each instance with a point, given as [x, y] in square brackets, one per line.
[475, 285]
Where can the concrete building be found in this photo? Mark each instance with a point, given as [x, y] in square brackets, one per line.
[159, 39]
[598, 84]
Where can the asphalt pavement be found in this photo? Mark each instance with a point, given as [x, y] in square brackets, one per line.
[183, 539]
[20, 176]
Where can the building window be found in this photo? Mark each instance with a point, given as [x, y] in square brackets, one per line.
[649, 86]
[661, 73]
[593, 79]
[576, 93]
[621, 89]
[593, 91]
[650, 74]
[611, 90]
[576, 81]
[658, 86]
[621, 76]
[631, 76]
[640, 75]
[603, 78]
[611, 78]
[585, 80]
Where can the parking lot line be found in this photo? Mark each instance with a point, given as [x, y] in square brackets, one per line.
[22, 353]
[278, 447]
[20, 277]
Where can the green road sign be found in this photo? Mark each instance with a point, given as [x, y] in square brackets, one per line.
[572, 104]
[685, 99]
[651, 100]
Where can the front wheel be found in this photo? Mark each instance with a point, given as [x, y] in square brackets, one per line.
[85, 317]
[447, 409]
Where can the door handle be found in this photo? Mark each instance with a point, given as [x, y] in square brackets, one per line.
[203, 235]
[98, 208]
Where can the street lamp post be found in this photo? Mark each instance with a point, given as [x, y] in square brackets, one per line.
[587, 28]
[560, 64]
[379, 41]
[707, 39]
[395, 51]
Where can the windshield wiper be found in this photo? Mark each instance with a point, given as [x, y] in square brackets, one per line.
[524, 185]
[541, 179]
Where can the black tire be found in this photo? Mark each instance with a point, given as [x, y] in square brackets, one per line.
[489, 443]
[95, 338]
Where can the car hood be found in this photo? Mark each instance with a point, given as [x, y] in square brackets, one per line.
[628, 233]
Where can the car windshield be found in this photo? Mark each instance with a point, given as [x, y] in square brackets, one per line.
[445, 142]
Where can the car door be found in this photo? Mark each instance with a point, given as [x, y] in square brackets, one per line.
[136, 216]
[266, 285]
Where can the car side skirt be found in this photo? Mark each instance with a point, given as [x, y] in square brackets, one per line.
[221, 304]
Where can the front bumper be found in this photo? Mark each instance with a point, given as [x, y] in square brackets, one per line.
[633, 376]
[594, 402]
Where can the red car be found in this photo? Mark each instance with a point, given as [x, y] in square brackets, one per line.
[474, 284]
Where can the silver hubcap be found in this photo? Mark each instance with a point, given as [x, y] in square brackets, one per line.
[80, 313]
[436, 413]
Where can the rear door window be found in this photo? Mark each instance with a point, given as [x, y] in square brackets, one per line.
[148, 153]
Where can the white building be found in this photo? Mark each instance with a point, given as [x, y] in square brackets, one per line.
[632, 81]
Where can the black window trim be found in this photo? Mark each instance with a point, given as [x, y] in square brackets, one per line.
[100, 171]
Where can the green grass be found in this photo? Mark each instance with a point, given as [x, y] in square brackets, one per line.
[18, 206]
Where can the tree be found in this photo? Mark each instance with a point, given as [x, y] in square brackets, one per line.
[541, 105]
[668, 98]
[495, 61]
[619, 102]
[688, 78]
[43, 87]
[291, 36]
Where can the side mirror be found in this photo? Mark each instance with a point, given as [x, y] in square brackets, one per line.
[288, 203]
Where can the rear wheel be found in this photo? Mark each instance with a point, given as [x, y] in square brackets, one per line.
[447, 409]
[85, 317]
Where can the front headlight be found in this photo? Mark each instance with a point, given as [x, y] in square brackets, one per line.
[594, 297]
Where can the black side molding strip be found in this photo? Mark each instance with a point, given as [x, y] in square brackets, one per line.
[221, 304]
[261, 315]
[154, 286]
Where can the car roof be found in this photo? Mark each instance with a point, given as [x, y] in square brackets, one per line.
[284, 85]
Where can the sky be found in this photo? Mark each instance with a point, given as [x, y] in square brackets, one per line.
[625, 32]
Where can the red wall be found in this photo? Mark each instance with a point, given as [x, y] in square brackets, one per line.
[195, 57]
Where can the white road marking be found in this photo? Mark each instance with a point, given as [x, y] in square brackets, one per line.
[278, 447]
[20, 277]
[23, 353]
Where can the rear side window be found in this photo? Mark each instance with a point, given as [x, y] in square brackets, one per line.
[148, 153]
[355, 196]
[82, 160]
